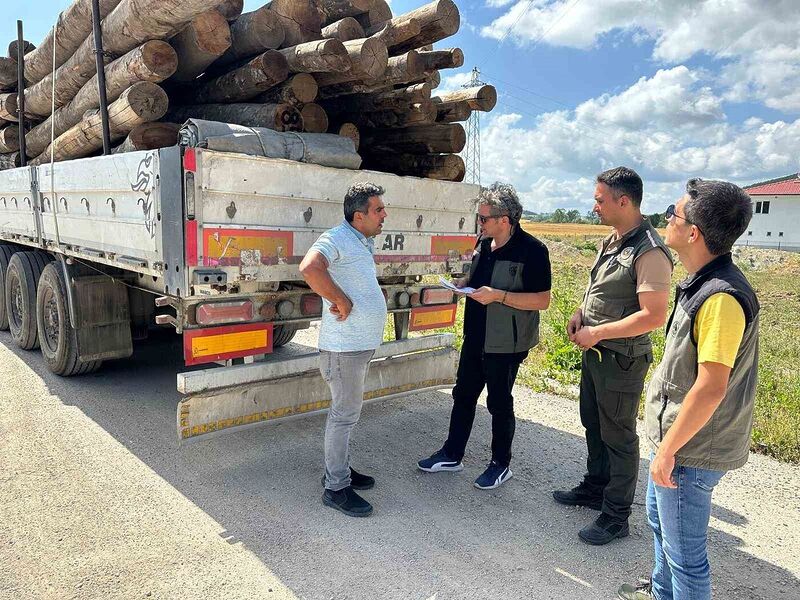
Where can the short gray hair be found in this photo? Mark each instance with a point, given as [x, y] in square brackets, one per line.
[502, 200]
[720, 210]
[357, 198]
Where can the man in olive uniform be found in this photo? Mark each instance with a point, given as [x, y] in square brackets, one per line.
[626, 299]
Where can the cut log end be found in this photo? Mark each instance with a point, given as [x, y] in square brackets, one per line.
[315, 119]
[231, 9]
[349, 130]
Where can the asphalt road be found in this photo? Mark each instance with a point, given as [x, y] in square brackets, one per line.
[99, 500]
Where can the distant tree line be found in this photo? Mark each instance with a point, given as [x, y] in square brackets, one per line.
[560, 215]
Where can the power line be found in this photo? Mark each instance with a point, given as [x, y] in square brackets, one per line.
[473, 152]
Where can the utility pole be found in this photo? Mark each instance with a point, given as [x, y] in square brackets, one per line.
[472, 154]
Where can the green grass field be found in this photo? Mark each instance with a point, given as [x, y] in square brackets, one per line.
[554, 365]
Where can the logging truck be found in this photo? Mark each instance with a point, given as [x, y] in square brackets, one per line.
[95, 252]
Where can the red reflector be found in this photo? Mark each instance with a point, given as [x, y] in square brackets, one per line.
[436, 296]
[311, 304]
[190, 160]
[216, 313]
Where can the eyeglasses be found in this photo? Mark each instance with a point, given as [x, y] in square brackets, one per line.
[671, 213]
[483, 219]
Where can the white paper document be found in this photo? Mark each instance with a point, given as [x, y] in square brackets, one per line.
[446, 283]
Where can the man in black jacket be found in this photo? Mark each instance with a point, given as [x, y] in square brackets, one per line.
[511, 275]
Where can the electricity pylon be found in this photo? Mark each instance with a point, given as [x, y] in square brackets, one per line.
[472, 154]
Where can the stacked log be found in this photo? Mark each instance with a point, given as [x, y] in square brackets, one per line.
[149, 136]
[346, 67]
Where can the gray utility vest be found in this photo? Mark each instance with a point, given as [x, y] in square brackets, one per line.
[611, 295]
[724, 442]
[508, 330]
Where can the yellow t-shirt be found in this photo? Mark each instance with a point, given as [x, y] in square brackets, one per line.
[718, 329]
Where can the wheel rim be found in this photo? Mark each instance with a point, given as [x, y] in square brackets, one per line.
[17, 301]
[51, 323]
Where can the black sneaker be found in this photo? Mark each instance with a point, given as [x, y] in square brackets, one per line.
[439, 461]
[643, 590]
[493, 477]
[348, 502]
[357, 480]
[578, 496]
[603, 530]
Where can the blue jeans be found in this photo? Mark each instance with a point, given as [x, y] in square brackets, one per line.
[345, 374]
[679, 519]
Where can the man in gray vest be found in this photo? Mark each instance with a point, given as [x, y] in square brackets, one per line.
[699, 406]
[511, 273]
[627, 298]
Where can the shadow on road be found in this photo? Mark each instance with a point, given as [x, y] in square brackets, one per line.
[430, 536]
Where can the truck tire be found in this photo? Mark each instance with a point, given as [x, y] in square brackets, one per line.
[282, 335]
[22, 277]
[57, 339]
[6, 252]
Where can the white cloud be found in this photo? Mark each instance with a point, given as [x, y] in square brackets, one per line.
[759, 39]
[668, 127]
[453, 82]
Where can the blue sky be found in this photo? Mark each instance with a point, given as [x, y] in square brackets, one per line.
[673, 88]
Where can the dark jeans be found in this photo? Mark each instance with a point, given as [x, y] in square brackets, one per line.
[497, 372]
[609, 402]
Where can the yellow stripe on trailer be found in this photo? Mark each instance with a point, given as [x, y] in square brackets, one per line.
[228, 342]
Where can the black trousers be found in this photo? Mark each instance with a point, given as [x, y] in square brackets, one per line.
[497, 372]
[609, 402]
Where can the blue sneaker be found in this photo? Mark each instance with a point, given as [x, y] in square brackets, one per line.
[439, 461]
[493, 477]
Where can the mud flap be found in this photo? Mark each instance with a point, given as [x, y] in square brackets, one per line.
[232, 398]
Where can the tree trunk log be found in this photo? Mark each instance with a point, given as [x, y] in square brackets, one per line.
[417, 140]
[8, 73]
[344, 30]
[244, 83]
[353, 87]
[9, 139]
[438, 20]
[280, 117]
[141, 103]
[300, 88]
[320, 56]
[447, 58]
[376, 16]
[368, 60]
[301, 20]
[349, 130]
[333, 10]
[132, 24]
[396, 31]
[478, 98]
[74, 26]
[231, 9]
[252, 34]
[415, 114]
[13, 46]
[153, 61]
[406, 67]
[451, 112]
[8, 107]
[447, 167]
[397, 100]
[315, 119]
[10, 161]
[149, 136]
[199, 44]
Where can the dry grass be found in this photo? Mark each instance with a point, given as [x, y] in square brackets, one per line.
[565, 229]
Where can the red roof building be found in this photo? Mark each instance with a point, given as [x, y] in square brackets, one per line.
[776, 214]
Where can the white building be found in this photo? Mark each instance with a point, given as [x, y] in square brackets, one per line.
[776, 214]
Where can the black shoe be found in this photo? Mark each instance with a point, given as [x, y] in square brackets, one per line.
[357, 480]
[348, 502]
[603, 530]
[578, 496]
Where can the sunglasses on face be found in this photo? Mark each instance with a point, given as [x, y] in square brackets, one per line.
[671, 213]
[483, 219]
